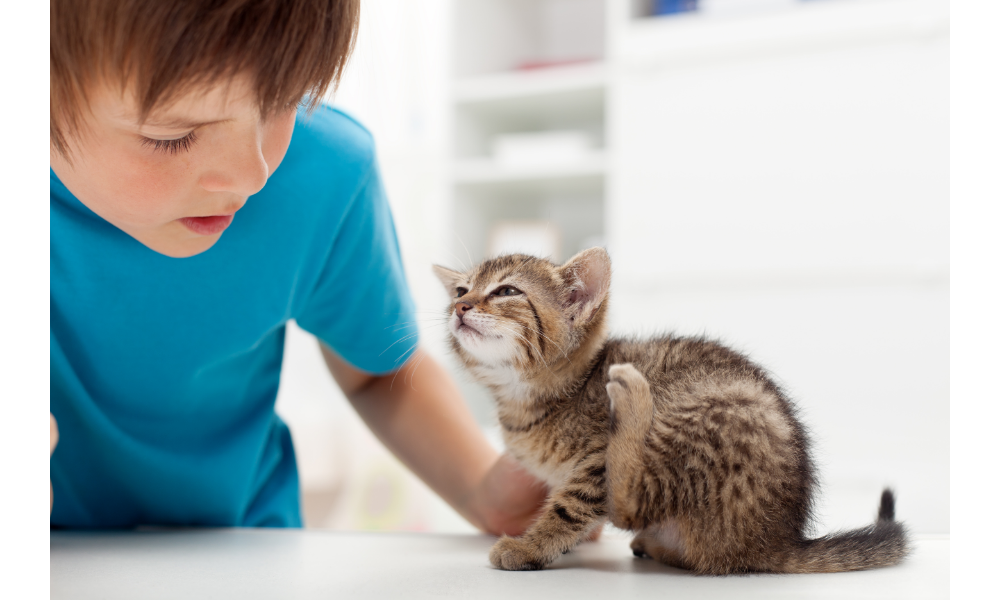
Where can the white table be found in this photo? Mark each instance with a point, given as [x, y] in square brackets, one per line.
[288, 564]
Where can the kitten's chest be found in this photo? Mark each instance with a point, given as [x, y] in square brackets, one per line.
[505, 382]
[542, 460]
[552, 450]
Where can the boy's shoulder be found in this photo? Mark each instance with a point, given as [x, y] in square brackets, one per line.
[331, 138]
[330, 159]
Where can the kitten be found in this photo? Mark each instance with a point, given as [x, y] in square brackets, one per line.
[681, 440]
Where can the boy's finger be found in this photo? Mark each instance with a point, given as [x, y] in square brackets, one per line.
[596, 533]
[53, 434]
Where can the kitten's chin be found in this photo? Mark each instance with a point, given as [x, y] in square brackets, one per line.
[467, 331]
[487, 355]
[487, 351]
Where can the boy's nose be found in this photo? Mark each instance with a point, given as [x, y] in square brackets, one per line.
[242, 171]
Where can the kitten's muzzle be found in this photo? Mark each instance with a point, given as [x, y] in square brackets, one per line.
[461, 308]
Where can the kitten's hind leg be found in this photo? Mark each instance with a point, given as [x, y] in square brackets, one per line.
[662, 542]
[631, 413]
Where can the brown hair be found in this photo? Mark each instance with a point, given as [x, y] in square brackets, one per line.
[291, 49]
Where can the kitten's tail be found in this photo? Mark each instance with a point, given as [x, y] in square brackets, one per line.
[880, 545]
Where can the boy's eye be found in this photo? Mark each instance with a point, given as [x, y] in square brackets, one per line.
[507, 291]
[461, 292]
[172, 146]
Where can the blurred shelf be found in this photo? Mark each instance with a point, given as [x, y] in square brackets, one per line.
[511, 85]
[717, 278]
[485, 171]
[524, 69]
[651, 40]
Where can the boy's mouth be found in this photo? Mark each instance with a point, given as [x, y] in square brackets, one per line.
[207, 225]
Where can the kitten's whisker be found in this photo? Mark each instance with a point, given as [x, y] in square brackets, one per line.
[553, 342]
[396, 374]
[405, 324]
[459, 261]
[530, 343]
[410, 370]
[402, 339]
[471, 262]
[425, 329]
[404, 353]
[412, 323]
[413, 372]
[517, 335]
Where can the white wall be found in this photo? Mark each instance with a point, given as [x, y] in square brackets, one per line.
[792, 203]
[792, 200]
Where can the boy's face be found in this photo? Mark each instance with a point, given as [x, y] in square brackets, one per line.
[175, 182]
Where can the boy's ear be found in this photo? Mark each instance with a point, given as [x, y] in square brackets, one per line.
[449, 278]
[588, 277]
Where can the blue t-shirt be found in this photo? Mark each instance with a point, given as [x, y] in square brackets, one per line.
[164, 371]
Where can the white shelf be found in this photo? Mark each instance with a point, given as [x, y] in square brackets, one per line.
[484, 171]
[511, 85]
[652, 40]
[927, 277]
[493, 96]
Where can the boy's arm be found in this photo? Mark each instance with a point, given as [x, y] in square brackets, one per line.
[427, 425]
[53, 440]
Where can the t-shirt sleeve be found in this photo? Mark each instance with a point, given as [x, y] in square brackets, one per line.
[361, 305]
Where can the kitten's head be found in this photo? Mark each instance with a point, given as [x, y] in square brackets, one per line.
[527, 312]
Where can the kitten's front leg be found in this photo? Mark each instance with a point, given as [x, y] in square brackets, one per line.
[571, 513]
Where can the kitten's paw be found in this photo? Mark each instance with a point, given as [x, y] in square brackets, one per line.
[512, 554]
[627, 377]
[623, 381]
[631, 402]
[639, 548]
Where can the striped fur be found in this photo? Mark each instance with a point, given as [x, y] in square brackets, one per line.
[680, 440]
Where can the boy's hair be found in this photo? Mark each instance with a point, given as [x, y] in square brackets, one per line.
[159, 49]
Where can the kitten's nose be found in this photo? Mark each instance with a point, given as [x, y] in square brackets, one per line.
[461, 308]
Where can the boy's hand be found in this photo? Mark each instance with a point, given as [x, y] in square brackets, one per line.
[508, 499]
[53, 440]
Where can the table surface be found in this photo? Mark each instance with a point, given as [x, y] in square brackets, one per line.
[288, 564]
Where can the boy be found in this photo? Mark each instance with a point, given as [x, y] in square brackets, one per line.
[179, 250]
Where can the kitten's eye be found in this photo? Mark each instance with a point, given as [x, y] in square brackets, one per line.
[507, 291]
[461, 292]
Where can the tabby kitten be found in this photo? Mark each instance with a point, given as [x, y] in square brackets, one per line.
[681, 440]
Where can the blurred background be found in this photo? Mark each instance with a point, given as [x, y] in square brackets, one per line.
[771, 173]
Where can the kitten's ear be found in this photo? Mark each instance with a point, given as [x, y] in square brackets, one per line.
[588, 277]
[449, 278]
